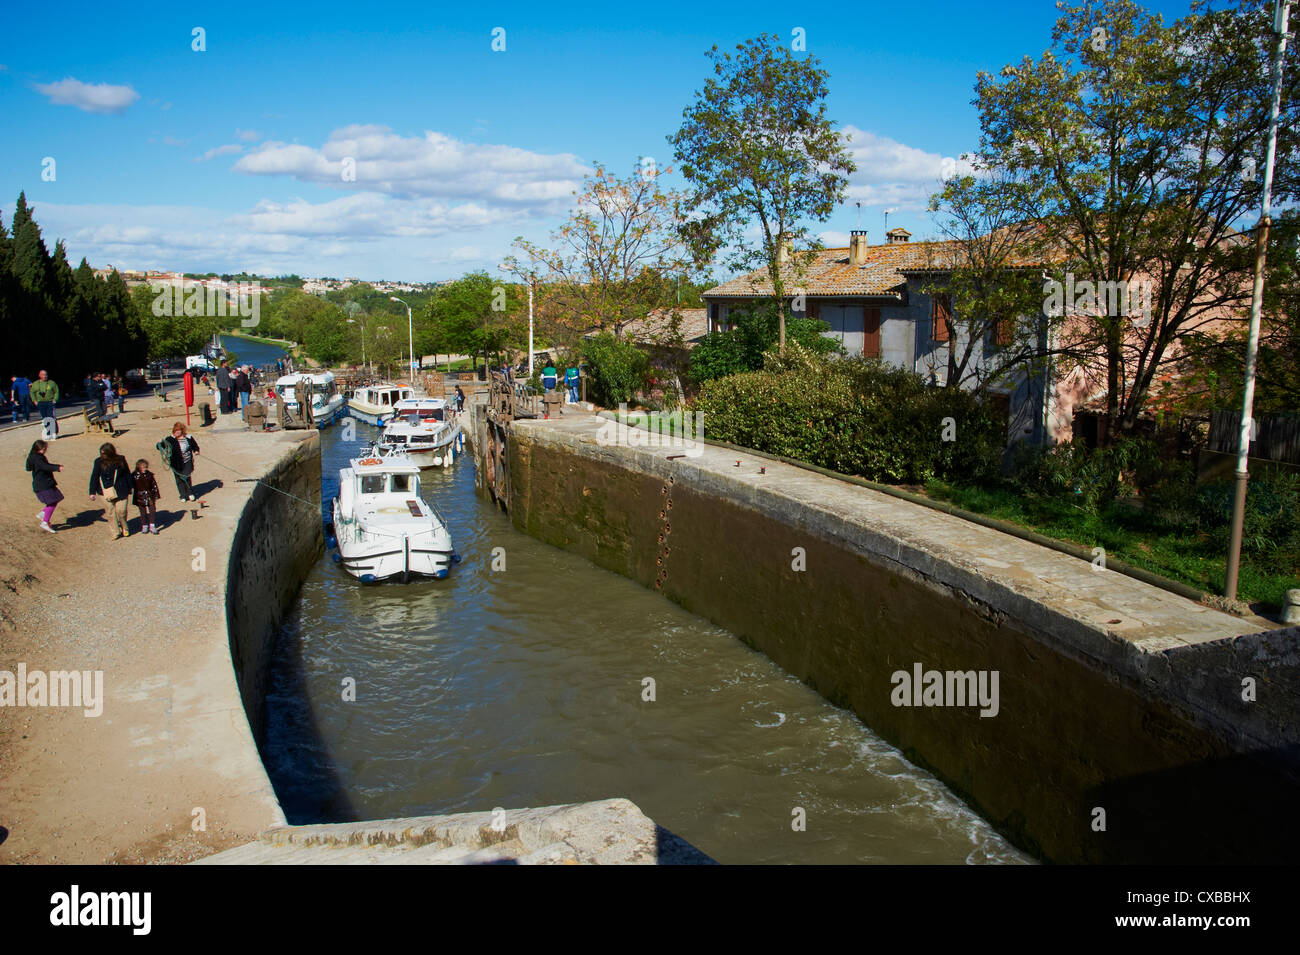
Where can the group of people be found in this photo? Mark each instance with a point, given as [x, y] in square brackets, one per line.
[234, 386]
[104, 390]
[114, 482]
[26, 396]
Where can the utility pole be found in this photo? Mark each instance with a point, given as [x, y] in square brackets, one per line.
[1282, 12]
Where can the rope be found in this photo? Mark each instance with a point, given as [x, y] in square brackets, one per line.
[313, 504]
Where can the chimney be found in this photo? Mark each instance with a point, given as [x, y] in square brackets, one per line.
[894, 236]
[858, 247]
[783, 250]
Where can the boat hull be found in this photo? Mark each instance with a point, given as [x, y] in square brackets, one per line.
[376, 558]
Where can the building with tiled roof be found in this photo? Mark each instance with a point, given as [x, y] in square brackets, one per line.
[658, 327]
[874, 299]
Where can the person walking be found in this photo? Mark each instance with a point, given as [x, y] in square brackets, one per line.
[43, 483]
[181, 449]
[460, 400]
[244, 387]
[107, 384]
[145, 496]
[119, 386]
[45, 395]
[224, 385]
[110, 478]
[20, 393]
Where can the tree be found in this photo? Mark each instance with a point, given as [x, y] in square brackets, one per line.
[988, 295]
[607, 264]
[758, 149]
[1139, 142]
[475, 314]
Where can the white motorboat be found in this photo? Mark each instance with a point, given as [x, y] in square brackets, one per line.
[377, 403]
[326, 403]
[383, 529]
[427, 430]
[425, 408]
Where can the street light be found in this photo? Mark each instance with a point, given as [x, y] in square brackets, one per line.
[505, 268]
[353, 321]
[1281, 14]
[410, 335]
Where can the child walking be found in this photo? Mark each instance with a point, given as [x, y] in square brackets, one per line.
[145, 496]
[43, 483]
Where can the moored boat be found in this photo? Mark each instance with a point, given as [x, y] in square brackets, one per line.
[377, 403]
[383, 529]
[427, 430]
[326, 403]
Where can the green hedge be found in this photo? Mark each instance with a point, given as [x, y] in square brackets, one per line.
[856, 416]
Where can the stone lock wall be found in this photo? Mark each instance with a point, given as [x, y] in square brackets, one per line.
[1087, 722]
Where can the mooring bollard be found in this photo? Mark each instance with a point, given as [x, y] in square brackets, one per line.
[1291, 607]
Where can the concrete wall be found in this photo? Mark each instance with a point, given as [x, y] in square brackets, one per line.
[276, 542]
[1115, 695]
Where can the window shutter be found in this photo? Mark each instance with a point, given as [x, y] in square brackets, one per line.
[940, 316]
[1006, 332]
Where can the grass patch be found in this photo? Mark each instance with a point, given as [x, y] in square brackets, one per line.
[1126, 533]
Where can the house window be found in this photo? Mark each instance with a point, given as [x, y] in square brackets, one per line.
[941, 318]
[1002, 334]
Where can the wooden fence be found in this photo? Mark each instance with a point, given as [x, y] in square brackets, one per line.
[1276, 437]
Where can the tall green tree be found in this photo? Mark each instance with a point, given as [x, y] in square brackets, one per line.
[1143, 146]
[758, 149]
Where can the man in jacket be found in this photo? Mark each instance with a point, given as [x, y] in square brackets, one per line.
[223, 387]
[45, 395]
[20, 393]
[243, 387]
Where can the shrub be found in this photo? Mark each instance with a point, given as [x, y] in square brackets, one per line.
[756, 331]
[855, 416]
[617, 369]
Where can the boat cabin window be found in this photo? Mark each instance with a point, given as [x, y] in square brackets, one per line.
[436, 414]
[372, 483]
[401, 483]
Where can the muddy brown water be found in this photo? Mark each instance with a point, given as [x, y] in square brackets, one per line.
[525, 686]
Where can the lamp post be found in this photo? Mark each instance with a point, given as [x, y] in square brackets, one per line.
[505, 268]
[362, 325]
[1281, 13]
[410, 336]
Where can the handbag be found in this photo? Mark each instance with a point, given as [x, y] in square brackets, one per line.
[110, 492]
[121, 391]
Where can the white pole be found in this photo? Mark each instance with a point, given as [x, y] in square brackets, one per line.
[1282, 12]
[530, 327]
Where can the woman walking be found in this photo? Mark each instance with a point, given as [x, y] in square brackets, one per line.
[43, 483]
[119, 387]
[181, 449]
[110, 478]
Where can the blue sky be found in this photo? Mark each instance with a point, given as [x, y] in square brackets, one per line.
[227, 159]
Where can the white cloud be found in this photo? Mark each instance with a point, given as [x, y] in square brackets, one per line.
[247, 135]
[225, 150]
[891, 173]
[431, 166]
[91, 97]
[366, 234]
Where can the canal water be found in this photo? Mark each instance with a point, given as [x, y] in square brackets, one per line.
[523, 686]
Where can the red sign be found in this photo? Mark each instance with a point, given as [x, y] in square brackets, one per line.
[189, 396]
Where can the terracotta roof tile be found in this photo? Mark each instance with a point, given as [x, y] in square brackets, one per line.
[883, 272]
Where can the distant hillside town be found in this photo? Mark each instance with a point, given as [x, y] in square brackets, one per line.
[246, 282]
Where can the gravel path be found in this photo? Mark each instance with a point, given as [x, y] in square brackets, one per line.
[145, 610]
